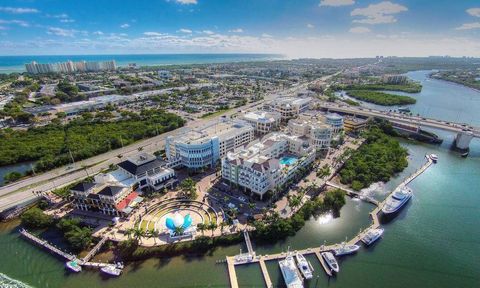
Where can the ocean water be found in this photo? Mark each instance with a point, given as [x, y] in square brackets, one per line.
[9, 64]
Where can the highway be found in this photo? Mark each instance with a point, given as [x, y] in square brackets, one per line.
[22, 191]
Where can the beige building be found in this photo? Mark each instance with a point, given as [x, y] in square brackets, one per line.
[263, 122]
[318, 133]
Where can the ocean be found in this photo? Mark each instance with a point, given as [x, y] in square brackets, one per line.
[10, 64]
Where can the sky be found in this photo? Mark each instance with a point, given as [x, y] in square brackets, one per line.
[294, 28]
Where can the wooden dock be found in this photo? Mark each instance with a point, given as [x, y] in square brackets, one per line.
[324, 265]
[266, 277]
[95, 250]
[46, 245]
[374, 214]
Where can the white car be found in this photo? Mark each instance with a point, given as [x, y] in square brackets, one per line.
[231, 205]
[241, 198]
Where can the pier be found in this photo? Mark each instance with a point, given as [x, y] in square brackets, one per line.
[46, 245]
[232, 261]
[94, 250]
[248, 242]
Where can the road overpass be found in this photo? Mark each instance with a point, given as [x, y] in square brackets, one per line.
[465, 133]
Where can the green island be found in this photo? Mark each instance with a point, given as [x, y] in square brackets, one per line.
[380, 98]
[55, 145]
[408, 87]
[379, 158]
[463, 77]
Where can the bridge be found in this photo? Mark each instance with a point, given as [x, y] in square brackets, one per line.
[465, 133]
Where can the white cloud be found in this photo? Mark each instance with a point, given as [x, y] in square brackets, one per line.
[359, 30]
[238, 30]
[16, 22]
[311, 26]
[61, 32]
[153, 34]
[124, 26]
[208, 32]
[469, 26]
[16, 10]
[183, 30]
[474, 12]
[186, 2]
[265, 35]
[378, 13]
[336, 3]
[67, 20]
[97, 33]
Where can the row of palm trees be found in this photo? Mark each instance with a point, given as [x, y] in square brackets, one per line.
[137, 233]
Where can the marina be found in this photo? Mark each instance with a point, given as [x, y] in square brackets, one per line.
[232, 261]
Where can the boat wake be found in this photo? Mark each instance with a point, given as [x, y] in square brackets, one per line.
[7, 282]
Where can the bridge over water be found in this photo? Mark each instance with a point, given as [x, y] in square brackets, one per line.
[465, 133]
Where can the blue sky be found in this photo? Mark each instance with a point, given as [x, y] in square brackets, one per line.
[301, 28]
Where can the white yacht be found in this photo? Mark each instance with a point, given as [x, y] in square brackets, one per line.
[290, 273]
[73, 266]
[372, 235]
[304, 266]
[396, 200]
[434, 157]
[346, 249]
[112, 269]
[331, 261]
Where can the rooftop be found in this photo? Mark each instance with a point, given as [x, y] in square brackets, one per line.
[221, 129]
[262, 116]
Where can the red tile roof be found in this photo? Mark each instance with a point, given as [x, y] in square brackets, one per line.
[124, 203]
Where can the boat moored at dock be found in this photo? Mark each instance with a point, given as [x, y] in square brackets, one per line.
[396, 200]
[345, 249]
[434, 157]
[290, 273]
[304, 266]
[73, 266]
[113, 269]
[372, 235]
[331, 261]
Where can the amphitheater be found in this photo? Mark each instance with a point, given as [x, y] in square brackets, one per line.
[156, 216]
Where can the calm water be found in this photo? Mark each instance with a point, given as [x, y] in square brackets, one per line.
[433, 241]
[9, 64]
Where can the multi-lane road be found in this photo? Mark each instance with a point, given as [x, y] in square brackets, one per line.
[23, 191]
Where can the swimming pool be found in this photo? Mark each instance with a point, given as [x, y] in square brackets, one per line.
[288, 160]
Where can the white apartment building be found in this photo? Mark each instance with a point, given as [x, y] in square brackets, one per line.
[267, 165]
[314, 129]
[263, 122]
[205, 146]
[69, 67]
[290, 107]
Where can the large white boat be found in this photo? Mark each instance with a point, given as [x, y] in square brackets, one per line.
[397, 199]
[346, 249]
[304, 266]
[73, 266]
[112, 269]
[372, 235]
[331, 261]
[290, 273]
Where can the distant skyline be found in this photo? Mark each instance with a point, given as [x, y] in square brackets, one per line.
[309, 28]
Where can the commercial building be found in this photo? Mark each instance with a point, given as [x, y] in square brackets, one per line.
[354, 124]
[115, 193]
[290, 107]
[318, 133]
[267, 165]
[263, 122]
[203, 147]
[336, 121]
[394, 79]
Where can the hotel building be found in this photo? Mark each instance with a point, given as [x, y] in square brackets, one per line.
[336, 121]
[267, 165]
[69, 67]
[315, 130]
[263, 122]
[290, 107]
[204, 147]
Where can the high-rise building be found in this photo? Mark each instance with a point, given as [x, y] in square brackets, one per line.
[70, 67]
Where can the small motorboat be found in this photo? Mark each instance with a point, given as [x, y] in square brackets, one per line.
[434, 157]
[372, 235]
[331, 261]
[73, 266]
[112, 270]
[346, 249]
[304, 266]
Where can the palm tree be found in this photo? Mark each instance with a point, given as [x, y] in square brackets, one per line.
[179, 230]
[201, 227]
[252, 206]
[138, 233]
[212, 226]
[129, 232]
[154, 234]
[223, 224]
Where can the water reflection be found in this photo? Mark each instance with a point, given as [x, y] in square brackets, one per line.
[325, 218]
